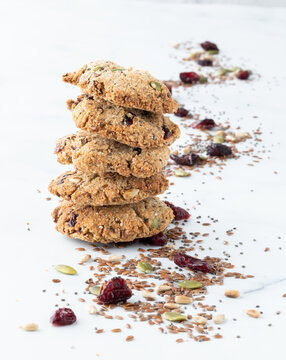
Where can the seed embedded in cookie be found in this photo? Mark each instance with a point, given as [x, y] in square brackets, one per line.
[123, 87]
[132, 127]
[110, 189]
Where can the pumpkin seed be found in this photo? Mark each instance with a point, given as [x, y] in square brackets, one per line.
[65, 269]
[145, 267]
[98, 68]
[189, 284]
[203, 79]
[181, 173]
[173, 316]
[218, 139]
[155, 223]
[213, 52]
[236, 68]
[117, 69]
[223, 71]
[155, 85]
[94, 290]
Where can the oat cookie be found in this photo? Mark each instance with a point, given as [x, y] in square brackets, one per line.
[128, 126]
[123, 87]
[110, 189]
[92, 154]
[113, 223]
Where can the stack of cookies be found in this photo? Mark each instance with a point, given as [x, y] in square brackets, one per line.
[118, 155]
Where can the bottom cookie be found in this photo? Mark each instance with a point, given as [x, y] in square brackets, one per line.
[106, 224]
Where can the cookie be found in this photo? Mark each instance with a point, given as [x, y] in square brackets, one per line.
[131, 127]
[110, 189]
[123, 87]
[93, 154]
[107, 224]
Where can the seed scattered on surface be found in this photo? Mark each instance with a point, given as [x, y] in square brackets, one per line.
[30, 327]
[145, 267]
[116, 330]
[183, 299]
[189, 284]
[232, 293]
[200, 320]
[85, 259]
[114, 257]
[65, 269]
[181, 173]
[129, 338]
[171, 306]
[148, 295]
[91, 309]
[253, 313]
[219, 318]
[94, 290]
[162, 288]
[173, 316]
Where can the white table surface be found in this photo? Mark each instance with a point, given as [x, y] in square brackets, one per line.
[42, 40]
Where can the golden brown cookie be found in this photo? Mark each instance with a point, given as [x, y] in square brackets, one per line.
[110, 189]
[92, 154]
[123, 87]
[129, 126]
[107, 224]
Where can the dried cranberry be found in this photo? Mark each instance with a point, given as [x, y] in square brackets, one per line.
[243, 75]
[158, 239]
[63, 317]
[169, 86]
[60, 146]
[192, 263]
[181, 112]
[114, 291]
[207, 45]
[73, 217]
[189, 77]
[204, 124]
[167, 132]
[205, 62]
[138, 150]
[179, 213]
[188, 159]
[127, 120]
[218, 150]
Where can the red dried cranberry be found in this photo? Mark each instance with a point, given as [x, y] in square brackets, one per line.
[63, 317]
[205, 62]
[73, 217]
[188, 159]
[189, 77]
[114, 291]
[179, 213]
[218, 150]
[158, 239]
[192, 263]
[207, 45]
[243, 75]
[204, 124]
[167, 132]
[168, 85]
[127, 120]
[181, 112]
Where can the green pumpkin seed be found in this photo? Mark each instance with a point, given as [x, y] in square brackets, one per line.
[218, 139]
[65, 269]
[155, 223]
[213, 52]
[145, 267]
[203, 79]
[189, 284]
[94, 290]
[98, 68]
[173, 316]
[117, 69]
[235, 69]
[223, 71]
[181, 173]
[155, 85]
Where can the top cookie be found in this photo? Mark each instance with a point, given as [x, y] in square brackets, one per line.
[123, 87]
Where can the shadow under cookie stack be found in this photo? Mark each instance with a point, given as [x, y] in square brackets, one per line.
[118, 155]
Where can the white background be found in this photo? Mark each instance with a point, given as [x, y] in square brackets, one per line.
[42, 40]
